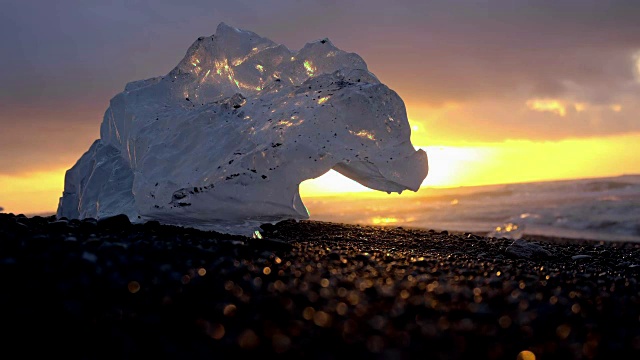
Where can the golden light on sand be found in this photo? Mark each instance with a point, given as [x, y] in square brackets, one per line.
[384, 220]
[526, 355]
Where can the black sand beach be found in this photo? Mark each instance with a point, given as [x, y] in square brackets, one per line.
[113, 290]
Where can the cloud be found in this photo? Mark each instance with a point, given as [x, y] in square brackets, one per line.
[549, 105]
[446, 50]
[537, 119]
[65, 60]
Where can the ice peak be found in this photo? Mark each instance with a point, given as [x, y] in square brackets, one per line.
[223, 28]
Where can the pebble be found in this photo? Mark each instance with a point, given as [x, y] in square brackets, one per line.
[311, 290]
[527, 250]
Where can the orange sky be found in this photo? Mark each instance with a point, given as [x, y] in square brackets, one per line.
[450, 166]
[496, 92]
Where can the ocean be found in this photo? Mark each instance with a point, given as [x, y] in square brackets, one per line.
[606, 209]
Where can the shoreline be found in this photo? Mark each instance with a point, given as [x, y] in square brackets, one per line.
[320, 290]
[539, 235]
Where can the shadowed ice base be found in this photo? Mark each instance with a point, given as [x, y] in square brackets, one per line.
[246, 227]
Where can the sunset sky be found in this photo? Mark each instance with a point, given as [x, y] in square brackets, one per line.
[495, 91]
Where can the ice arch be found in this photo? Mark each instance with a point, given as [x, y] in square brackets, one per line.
[229, 134]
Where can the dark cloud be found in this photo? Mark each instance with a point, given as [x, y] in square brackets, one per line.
[63, 60]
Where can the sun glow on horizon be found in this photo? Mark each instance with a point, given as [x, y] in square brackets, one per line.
[31, 193]
[450, 166]
[512, 161]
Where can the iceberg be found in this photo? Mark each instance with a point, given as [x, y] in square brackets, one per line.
[227, 136]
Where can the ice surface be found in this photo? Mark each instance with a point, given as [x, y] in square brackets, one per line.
[229, 134]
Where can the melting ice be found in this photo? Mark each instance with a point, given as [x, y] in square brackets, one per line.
[229, 134]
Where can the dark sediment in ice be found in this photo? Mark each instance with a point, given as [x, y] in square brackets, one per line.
[110, 289]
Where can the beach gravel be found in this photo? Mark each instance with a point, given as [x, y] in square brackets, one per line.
[109, 289]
